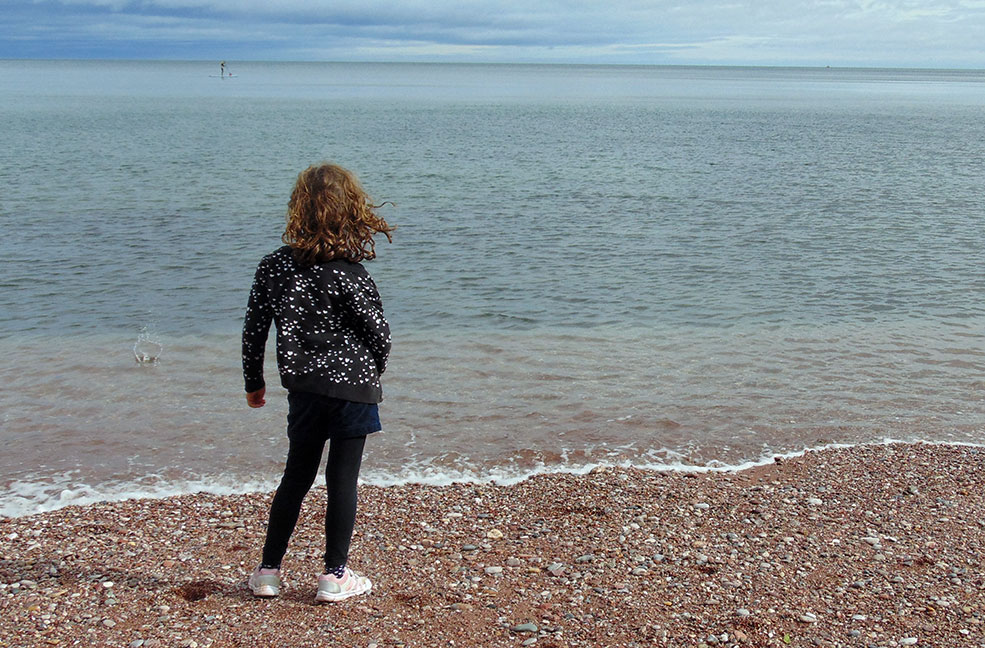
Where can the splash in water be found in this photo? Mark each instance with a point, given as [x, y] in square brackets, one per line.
[147, 350]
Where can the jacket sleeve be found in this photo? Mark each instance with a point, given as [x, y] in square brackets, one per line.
[256, 326]
[366, 308]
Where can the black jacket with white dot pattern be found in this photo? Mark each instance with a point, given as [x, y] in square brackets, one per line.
[332, 337]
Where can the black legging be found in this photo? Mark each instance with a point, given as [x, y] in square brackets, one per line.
[341, 472]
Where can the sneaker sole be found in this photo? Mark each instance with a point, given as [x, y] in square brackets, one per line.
[326, 597]
[266, 591]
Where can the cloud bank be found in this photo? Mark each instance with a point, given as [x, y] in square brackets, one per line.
[905, 33]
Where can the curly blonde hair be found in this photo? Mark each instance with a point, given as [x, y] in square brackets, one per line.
[331, 217]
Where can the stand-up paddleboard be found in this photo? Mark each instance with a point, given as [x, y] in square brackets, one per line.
[222, 76]
[222, 71]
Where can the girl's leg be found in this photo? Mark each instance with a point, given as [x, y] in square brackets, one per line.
[303, 458]
[344, 459]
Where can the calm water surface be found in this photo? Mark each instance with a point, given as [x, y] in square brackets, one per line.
[646, 265]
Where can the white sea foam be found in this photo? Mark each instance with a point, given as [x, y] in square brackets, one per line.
[28, 498]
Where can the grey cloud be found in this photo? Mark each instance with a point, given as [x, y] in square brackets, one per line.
[768, 31]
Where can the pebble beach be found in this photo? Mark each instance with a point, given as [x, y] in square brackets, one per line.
[878, 545]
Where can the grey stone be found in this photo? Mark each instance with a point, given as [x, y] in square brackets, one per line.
[525, 627]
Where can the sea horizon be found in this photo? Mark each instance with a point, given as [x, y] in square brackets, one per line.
[532, 63]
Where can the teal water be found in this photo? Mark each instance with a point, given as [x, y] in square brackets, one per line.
[696, 266]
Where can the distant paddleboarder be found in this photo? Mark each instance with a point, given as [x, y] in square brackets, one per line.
[222, 68]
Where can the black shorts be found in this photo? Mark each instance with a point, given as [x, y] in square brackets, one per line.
[312, 416]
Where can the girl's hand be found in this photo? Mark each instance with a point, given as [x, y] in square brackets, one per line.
[255, 399]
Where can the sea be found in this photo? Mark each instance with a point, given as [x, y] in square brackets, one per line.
[675, 268]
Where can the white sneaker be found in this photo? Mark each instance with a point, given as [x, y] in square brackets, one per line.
[264, 582]
[332, 589]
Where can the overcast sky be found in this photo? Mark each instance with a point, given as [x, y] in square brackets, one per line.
[894, 33]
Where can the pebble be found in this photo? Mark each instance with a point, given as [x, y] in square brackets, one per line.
[814, 501]
[108, 584]
[585, 558]
[525, 627]
[494, 570]
[137, 643]
[555, 569]
[807, 617]
[908, 641]
[513, 562]
[109, 623]
[529, 642]
[742, 612]
[469, 547]
[494, 534]
[704, 506]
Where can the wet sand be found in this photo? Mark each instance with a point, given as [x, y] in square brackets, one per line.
[865, 546]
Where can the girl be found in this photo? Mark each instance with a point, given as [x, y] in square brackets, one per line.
[332, 346]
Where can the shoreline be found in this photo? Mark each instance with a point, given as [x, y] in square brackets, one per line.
[84, 496]
[878, 545]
